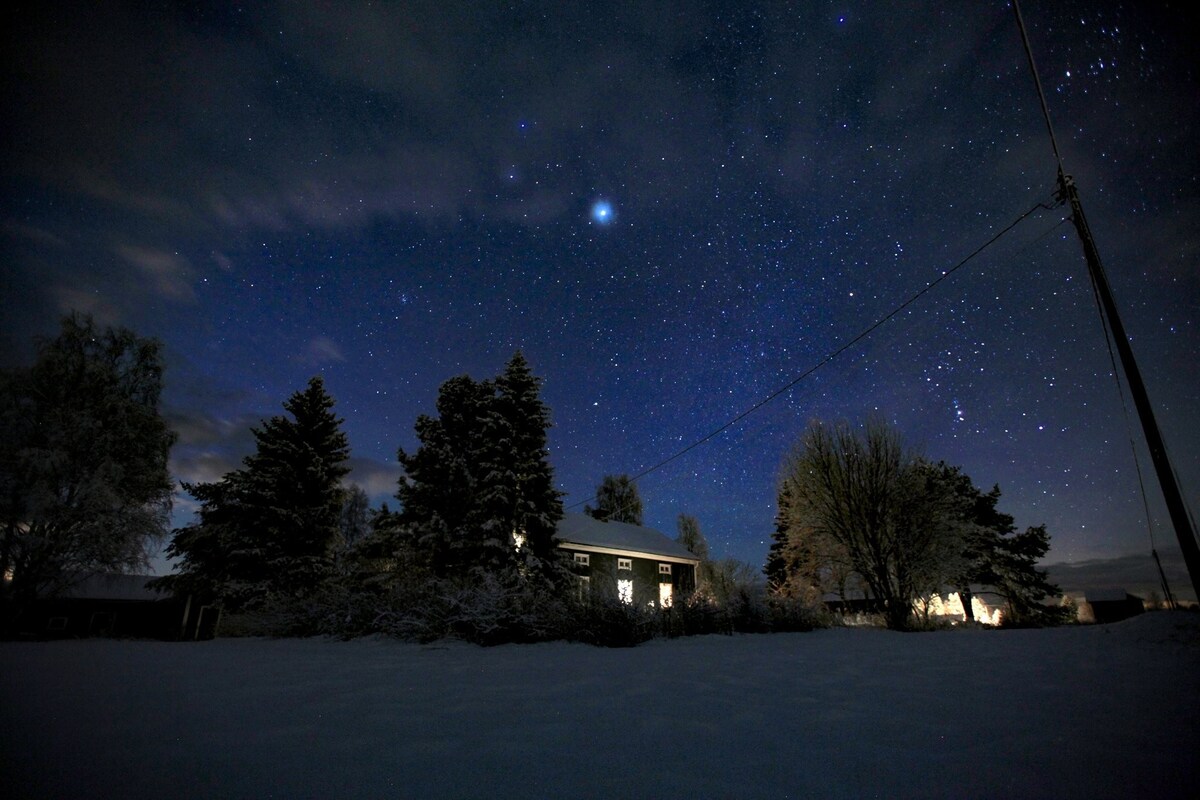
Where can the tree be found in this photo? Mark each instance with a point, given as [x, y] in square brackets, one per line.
[691, 538]
[478, 494]
[536, 506]
[271, 526]
[354, 523]
[84, 485]
[617, 500]
[898, 525]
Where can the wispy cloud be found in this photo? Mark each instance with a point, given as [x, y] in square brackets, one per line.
[320, 352]
[168, 274]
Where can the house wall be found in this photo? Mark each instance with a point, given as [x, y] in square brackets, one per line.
[604, 575]
[87, 617]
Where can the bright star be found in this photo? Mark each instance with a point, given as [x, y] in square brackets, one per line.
[602, 212]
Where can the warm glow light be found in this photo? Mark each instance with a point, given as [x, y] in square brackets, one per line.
[625, 591]
[952, 606]
[518, 540]
[664, 595]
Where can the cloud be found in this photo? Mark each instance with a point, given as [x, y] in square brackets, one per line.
[377, 478]
[321, 351]
[166, 273]
[74, 298]
[1136, 574]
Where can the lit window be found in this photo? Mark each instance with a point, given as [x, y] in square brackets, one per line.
[518, 540]
[624, 563]
[583, 559]
[664, 595]
[664, 569]
[625, 591]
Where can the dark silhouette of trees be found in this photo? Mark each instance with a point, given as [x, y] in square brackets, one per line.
[618, 500]
[858, 508]
[84, 486]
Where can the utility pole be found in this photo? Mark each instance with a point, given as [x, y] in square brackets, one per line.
[1067, 193]
[1137, 388]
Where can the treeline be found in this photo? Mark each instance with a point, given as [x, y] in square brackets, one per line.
[284, 545]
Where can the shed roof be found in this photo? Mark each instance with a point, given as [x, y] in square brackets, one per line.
[584, 530]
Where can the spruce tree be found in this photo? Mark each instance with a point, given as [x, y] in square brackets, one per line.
[480, 483]
[438, 488]
[271, 526]
[537, 505]
[776, 568]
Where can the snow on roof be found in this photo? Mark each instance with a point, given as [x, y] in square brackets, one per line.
[584, 530]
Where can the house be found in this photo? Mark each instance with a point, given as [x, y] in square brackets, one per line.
[632, 562]
[1107, 605]
[120, 606]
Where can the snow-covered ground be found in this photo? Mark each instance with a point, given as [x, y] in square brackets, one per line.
[1105, 711]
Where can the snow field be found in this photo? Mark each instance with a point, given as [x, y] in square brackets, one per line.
[1101, 711]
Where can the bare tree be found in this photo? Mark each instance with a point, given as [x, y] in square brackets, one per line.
[863, 497]
[617, 500]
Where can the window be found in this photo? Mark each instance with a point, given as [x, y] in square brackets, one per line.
[664, 595]
[584, 585]
[583, 559]
[518, 539]
[625, 591]
[664, 569]
[624, 563]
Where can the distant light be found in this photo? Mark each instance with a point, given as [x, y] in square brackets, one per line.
[602, 212]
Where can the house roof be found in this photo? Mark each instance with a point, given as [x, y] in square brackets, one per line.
[580, 529]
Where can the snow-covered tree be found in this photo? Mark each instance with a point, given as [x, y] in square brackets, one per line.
[84, 485]
[271, 526]
[478, 493]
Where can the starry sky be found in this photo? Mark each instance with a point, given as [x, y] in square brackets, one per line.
[672, 209]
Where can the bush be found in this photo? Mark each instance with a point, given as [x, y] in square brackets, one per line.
[491, 610]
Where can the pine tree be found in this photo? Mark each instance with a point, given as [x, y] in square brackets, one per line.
[478, 494]
[438, 489]
[617, 500]
[271, 526]
[537, 504]
[994, 554]
[776, 568]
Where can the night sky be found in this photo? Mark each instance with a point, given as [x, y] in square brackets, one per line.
[673, 209]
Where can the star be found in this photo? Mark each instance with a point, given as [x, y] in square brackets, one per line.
[602, 212]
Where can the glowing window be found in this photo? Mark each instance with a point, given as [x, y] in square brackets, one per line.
[664, 595]
[583, 559]
[625, 591]
[624, 563]
[664, 569]
[518, 540]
